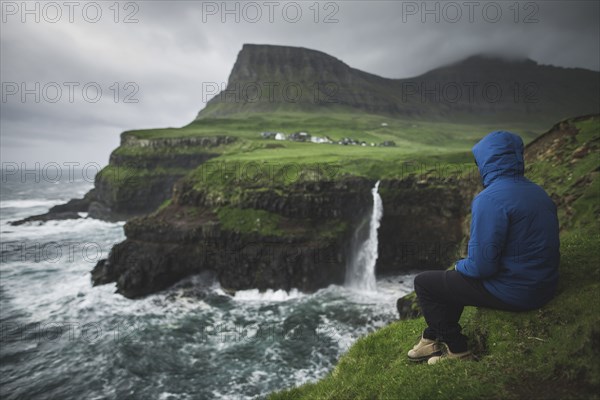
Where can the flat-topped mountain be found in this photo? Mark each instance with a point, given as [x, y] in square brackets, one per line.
[268, 78]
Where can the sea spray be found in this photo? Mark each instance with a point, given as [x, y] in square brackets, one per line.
[360, 273]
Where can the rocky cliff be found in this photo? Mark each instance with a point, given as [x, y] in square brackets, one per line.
[285, 237]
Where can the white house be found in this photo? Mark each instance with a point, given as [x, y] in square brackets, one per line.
[268, 135]
[318, 139]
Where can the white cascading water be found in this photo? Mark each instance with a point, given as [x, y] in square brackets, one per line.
[361, 269]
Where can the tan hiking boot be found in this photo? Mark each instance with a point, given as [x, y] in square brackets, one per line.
[425, 349]
[447, 354]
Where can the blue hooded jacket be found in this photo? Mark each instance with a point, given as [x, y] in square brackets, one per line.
[514, 243]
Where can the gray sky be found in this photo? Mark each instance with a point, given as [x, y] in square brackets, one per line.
[168, 51]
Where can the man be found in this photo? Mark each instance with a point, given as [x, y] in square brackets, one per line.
[513, 252]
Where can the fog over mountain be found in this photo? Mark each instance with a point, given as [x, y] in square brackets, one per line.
[154, 72]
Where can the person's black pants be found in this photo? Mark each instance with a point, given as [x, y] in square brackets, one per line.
[443, 295]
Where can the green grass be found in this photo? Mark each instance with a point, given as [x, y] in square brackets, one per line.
[249, 220]
[164, 204]
[546, 353]
[410, 135]
[417, 142]
[574, 182]
[133, 151]
[590, 130]
[130, 176]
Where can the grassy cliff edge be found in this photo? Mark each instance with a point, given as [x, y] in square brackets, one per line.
[547, 353]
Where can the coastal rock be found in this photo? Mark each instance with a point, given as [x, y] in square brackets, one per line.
[49, 216]
[408, 306]
[69, 210]
[160, 250]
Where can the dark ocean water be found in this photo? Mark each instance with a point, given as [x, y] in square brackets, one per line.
[63, 338]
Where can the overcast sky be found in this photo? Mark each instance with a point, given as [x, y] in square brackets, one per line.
[166, 51]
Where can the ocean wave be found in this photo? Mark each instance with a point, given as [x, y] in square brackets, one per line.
[56, 230]
[267, 296]
[30, 203]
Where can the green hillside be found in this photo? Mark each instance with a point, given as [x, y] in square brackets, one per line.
[414, 140]
[543, 354]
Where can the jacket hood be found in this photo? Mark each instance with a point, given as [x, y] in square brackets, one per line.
[499, 153]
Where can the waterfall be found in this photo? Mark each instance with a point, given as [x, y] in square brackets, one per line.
[360, 271]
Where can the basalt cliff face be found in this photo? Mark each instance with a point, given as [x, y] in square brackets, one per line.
[307, 246]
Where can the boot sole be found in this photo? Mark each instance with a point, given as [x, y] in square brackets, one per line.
[425, 358]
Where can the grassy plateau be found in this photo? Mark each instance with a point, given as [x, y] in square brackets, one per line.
[417, 141]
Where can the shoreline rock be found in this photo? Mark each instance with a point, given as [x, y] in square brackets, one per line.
[68, 210]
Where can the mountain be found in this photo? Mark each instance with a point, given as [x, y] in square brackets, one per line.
[268, 78]
[296, 78]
